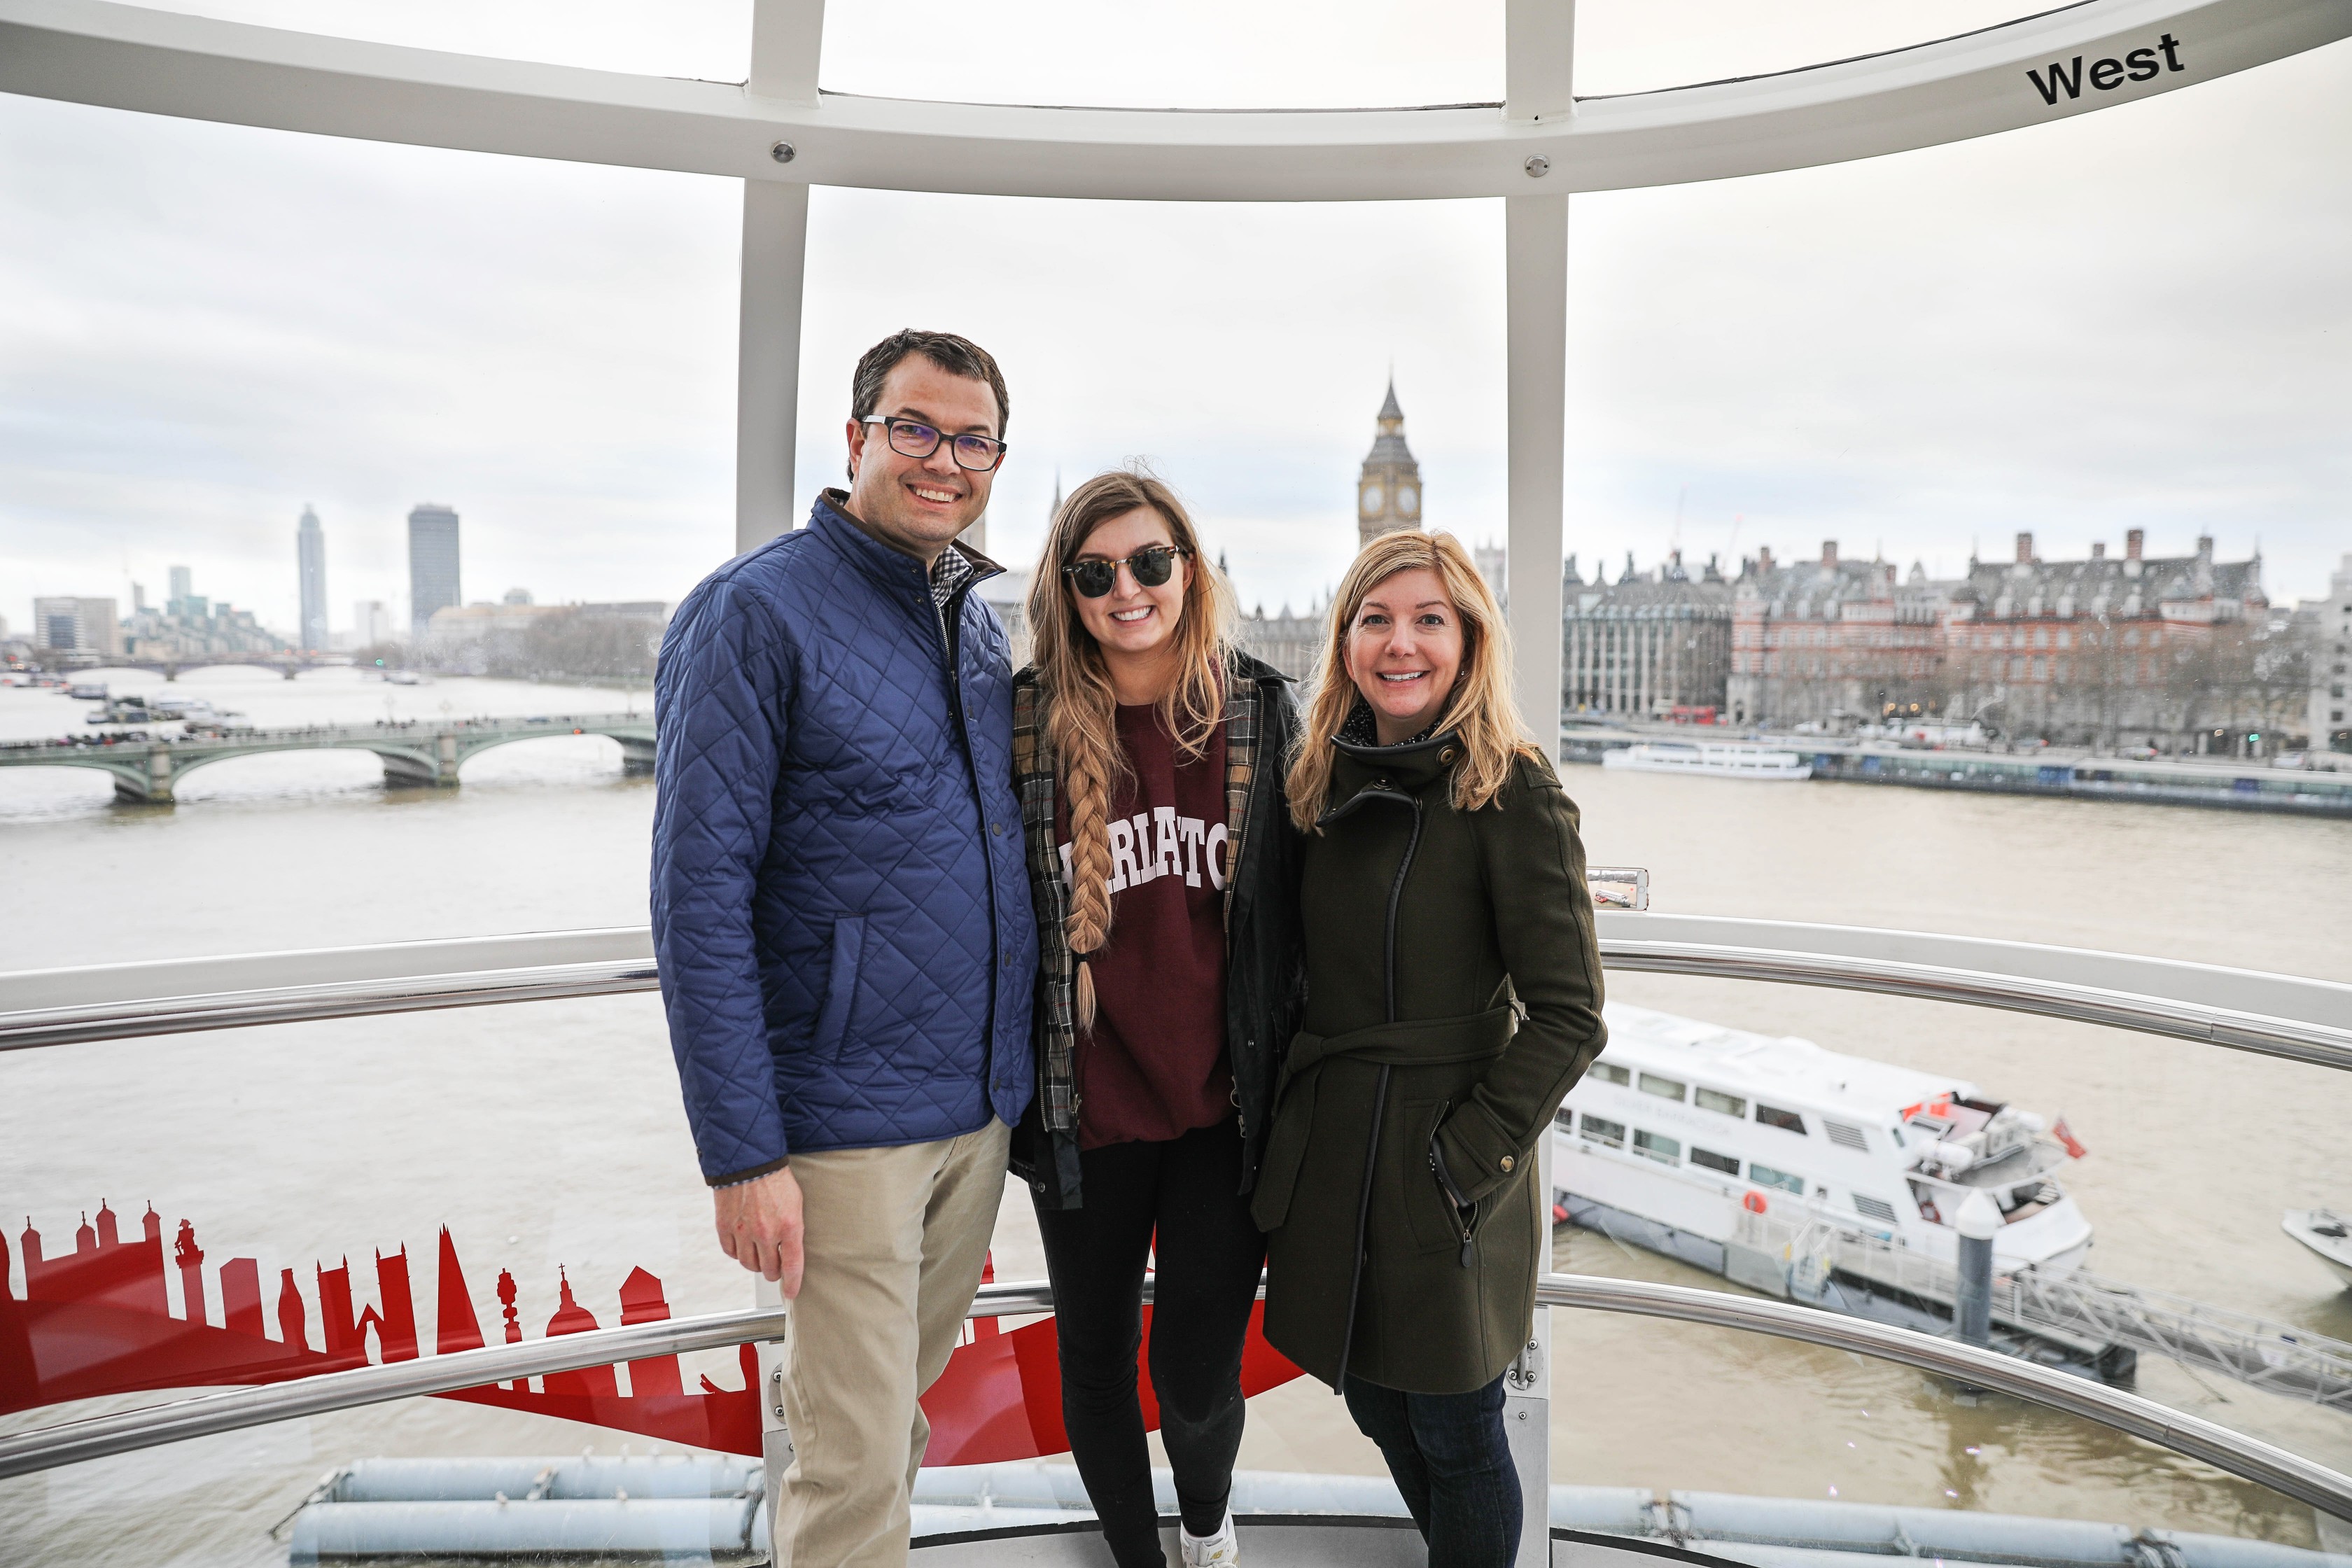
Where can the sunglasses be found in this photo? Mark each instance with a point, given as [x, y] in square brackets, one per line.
[1152, 566]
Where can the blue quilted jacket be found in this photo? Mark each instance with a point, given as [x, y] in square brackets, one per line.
[839, 902]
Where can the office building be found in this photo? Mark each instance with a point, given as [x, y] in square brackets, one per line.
[432, 564]
[2331, 655]
[310, 552]
[77, 625]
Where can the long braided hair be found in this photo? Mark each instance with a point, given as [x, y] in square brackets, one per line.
[1080, 705]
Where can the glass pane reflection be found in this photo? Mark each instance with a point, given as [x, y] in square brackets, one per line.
[1641, 45]
[706, 38]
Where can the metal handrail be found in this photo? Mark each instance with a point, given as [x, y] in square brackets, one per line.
[205, 1414]
[2290, 1475]
[2298, 1019]
[2321, 1045]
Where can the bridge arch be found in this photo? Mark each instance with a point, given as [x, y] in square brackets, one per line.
[637, 749]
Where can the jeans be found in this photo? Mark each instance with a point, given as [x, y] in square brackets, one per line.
[1178, 1201]
[1453, 1463]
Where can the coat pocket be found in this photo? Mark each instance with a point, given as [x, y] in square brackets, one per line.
[1285, 1153]
[841, 982]
[1430, 1215]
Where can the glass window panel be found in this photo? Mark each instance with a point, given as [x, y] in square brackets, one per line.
[707, 38]
[1601, 1129]
[1714, 1161]
[1610, 1072]
[1638, 45]
[1766, 1176]
[1773, 1116]
[1659, 1147]
[1223, 54]
[1717, 1100]
[1664, 1088]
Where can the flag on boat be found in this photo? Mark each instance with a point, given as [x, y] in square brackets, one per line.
[2074, 1150]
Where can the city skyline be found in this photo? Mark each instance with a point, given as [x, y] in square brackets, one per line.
[1914, 349]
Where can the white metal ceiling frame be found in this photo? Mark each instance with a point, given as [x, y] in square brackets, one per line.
[780, 134]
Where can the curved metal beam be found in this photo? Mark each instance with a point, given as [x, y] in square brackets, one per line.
[124, 57]
[124, 1432]
[2243, 1009]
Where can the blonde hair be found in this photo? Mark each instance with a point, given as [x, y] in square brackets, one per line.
[1480, 713]
[1079, 704]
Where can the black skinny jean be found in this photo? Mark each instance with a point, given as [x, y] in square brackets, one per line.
[1453, 1463]
[1180, 1203]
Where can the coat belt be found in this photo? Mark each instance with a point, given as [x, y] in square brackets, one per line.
[1427, 1042]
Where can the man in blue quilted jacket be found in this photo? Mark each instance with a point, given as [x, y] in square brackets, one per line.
[842, 920]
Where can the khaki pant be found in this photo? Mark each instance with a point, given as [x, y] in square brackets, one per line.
[896, 1238]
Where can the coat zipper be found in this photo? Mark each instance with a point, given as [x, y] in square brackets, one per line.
[1464, 1214]
[1380, 1093]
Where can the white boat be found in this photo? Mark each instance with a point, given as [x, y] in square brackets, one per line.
[1711, 759]
[2326, 1233]
[1686, 1126]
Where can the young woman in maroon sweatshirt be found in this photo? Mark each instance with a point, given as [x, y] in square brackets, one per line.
[1150, 757]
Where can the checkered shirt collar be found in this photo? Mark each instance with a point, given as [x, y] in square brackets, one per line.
[950, 572]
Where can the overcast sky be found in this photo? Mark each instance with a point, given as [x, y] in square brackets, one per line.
[2132, 319]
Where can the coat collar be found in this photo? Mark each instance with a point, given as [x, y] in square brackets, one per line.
[1401, 772]
[894, 570]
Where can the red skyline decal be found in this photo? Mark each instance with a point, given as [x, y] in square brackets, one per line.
[99, 1320]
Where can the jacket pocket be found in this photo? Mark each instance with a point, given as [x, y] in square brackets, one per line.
[1286, 1154]
[841, 982]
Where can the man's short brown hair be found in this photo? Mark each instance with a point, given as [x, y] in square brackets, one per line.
[955, 355]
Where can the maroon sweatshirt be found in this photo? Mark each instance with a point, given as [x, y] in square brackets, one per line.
[1154, 1067]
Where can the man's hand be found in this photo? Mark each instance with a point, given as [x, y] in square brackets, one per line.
[759, 1226]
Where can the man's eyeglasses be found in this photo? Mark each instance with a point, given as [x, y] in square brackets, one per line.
[1153, 565]
[913, 438]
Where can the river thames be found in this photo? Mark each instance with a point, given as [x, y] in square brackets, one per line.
[549, 1136]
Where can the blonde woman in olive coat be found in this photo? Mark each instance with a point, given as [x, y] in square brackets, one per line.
[1454, 998]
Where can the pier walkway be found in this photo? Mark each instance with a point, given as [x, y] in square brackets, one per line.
[147, 769]
[2110, 1323]
[2229, 785]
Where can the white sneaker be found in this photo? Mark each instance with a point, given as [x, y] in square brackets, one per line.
[1222, 1550]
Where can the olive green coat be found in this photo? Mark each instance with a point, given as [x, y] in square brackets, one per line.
[1400, 1191]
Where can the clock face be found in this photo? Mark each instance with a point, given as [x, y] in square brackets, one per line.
[1371, 499]
[1408, 497]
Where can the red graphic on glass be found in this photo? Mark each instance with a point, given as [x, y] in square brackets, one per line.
[99, 1321]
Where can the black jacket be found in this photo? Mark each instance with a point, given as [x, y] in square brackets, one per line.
[1265, 961]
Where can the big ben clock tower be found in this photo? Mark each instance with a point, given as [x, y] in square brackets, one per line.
[1388, 495]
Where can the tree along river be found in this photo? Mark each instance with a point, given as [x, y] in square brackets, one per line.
[549, 1135]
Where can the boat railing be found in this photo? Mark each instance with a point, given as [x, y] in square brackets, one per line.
[2281, 1015]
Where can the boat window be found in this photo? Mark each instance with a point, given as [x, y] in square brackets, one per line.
[1664, 1088]
[1845, 1137]
[1878, 1209]
[1714, 1161]
[1564, 1119]
[1773, 1116]
[1659, 1147]
[1766, 1176]
[1601, 1129]
[1609, 1072]
[1716, 1100]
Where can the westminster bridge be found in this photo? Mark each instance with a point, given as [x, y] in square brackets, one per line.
[415, 751]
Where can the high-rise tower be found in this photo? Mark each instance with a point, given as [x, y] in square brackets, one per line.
[1388, 494]
[311, 551]
[432, 563]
